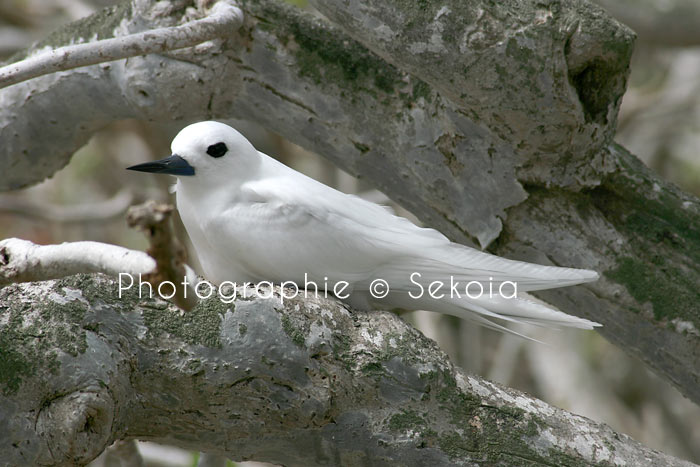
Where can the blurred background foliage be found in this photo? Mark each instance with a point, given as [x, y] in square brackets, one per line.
[575, 370]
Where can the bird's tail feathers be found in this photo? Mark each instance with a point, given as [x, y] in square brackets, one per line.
[527, 309]
[467, 264]
[487, 323]
[487, 311]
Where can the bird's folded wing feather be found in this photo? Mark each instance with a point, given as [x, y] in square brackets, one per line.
[319, 231]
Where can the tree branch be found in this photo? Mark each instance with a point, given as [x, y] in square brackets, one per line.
[222, 19]
[24, 261]
[571, 57]
[452, 167]
[304, 382]
[78, 213]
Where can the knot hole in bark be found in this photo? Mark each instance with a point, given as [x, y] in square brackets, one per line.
[76, 427]
[597, 89]
[597, 57]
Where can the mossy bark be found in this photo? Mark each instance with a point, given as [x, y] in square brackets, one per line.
[643, 235]
[299, 382]
[467, 168]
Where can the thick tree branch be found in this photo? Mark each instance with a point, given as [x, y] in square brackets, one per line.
[643, 234]
[304, 382]
[571, 57]
[455, 169]
[222, 18]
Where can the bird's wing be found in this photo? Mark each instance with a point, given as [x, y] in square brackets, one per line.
[286, 231]
[455, 263]
[343, 234]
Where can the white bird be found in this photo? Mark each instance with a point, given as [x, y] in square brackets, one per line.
[252, 219]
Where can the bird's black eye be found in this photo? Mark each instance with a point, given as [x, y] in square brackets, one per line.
[217, 150]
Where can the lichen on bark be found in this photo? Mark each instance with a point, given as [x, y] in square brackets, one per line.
[333, 384]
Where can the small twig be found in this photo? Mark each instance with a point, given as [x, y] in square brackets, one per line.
[224, 17]
[80, 213]
[154, 220]
[24, 261]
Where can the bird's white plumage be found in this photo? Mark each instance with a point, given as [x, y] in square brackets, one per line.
[252, 218]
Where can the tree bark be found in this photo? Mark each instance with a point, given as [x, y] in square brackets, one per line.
[300, 382]
[522, 162]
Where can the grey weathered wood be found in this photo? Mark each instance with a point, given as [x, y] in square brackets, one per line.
[467, 168]
[545, 77]
[305, 383]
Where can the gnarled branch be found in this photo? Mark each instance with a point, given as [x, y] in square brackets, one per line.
[299, 382]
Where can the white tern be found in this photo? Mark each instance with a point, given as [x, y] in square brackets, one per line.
[252, 218]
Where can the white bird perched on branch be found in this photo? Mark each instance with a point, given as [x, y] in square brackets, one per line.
[252, 219]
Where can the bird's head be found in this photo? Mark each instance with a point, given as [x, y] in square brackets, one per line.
[204, 151]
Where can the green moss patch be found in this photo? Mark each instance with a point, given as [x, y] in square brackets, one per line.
[468, 422]
[407, 420]
[297, 335]
[679, 296]
[326, 57]
[26, 346]
[664, 241]
[199, 326]
[330, 58]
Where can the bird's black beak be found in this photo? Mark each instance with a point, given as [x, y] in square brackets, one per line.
[172, 165]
